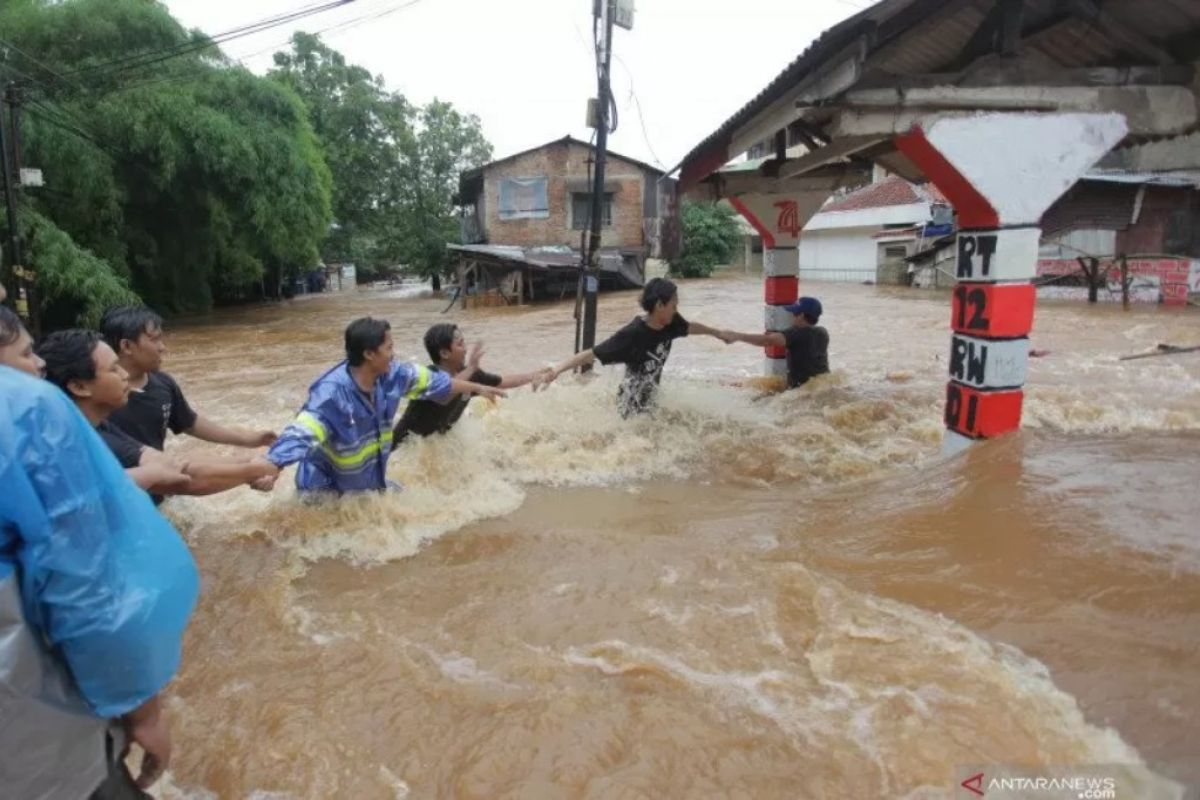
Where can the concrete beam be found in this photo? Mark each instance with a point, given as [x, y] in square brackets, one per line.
[826, 178]
[834, 151]
[1000, 72]
[1149, 111]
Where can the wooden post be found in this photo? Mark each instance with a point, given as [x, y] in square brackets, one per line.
[1091, 270]
[521, 287]
[1124, 282]
[462, 281]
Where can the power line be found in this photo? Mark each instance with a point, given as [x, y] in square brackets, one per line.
[31, 59]
[151, 57]
[641, 116]
[335, 29]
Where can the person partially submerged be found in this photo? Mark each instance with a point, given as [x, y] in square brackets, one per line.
[342, 437]
[807, 342]
[448, 353]
[642, 346]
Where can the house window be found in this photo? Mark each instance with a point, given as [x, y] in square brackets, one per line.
[580, 211]
[523, 198]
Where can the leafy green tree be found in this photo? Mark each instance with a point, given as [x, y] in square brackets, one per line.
[358, 124]
[190, 178]
[395, 166]
[445, 143]
[710, 236]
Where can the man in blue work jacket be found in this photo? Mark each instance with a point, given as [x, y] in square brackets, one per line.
[343, 436]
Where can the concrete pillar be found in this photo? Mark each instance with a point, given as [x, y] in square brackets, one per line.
[778, 219]
[1001, 172]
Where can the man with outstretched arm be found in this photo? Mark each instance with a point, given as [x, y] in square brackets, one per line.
[81, 364]
[642, 346]
[448, 353]
[156, 403]
[343, 436]
[807, 342]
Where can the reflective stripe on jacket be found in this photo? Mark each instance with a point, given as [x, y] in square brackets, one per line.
[341, 440]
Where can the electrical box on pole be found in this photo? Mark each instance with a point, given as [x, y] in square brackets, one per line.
[623, 14]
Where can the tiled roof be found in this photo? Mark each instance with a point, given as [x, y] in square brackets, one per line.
[891, 191]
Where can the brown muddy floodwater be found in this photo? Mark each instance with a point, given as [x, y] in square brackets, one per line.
[792, 598]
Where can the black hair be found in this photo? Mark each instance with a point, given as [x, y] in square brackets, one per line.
[438, 338]
[68, 356]
[10, 326]
[809, 318]
[366, 333]
[657, 290]
[127, 322]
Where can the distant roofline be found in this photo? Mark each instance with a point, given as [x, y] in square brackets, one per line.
[568, 139]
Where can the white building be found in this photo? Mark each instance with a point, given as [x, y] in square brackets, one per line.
[864, 236]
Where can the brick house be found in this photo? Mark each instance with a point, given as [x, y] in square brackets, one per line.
[529, 213]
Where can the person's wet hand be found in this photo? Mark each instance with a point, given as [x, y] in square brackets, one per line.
[475, 356]
[264, 484]
[491, 393]
[263, 438]
[545, 377]
[551, 375]
[166, 476]
[264, 474]
[147, 727]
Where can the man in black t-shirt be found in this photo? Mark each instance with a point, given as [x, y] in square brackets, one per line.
[448, 353]
[156, 403]
[642, 346]
[87, 370]
[81, 364]
[807, 342]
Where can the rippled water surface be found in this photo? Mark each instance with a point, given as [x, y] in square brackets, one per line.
[784, 597]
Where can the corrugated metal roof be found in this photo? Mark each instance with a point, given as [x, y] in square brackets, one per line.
[1183, 178]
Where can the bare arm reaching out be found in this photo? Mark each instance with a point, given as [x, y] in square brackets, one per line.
[768, 339]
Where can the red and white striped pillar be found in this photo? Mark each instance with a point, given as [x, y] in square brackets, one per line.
[1001, 172]
[778, 218]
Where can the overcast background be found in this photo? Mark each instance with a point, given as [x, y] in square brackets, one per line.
[525, 66]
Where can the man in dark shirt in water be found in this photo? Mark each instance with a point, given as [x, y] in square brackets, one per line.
[807, 342]
[642, 346]
[448, 353]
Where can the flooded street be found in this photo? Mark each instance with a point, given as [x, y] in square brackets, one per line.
[778, 598]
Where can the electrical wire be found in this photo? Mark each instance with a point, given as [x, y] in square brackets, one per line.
[151, 57]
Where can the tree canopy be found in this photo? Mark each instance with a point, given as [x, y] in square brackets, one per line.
[710, 237]
[175, 175]
[395, 166]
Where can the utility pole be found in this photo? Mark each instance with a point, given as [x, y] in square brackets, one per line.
[10, 158]
[605, 11]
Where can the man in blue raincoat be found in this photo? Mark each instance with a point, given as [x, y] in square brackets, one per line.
[343, 436]
[96, 589]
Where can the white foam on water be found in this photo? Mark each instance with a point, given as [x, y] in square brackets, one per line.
[878, 676]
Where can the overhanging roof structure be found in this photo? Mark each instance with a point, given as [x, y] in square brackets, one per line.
[869, 77]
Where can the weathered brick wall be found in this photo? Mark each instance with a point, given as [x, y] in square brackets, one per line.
[565, 167]
[1156, 280]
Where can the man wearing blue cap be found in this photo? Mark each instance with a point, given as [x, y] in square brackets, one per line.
[807, 342]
